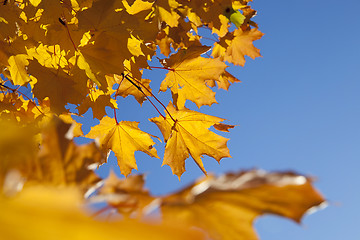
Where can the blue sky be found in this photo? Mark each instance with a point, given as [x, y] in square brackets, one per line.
[297, 108]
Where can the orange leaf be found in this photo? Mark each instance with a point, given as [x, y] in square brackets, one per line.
[226, 206]
[124, 139]
[189, 134]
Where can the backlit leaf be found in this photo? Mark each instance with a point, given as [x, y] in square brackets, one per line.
[123, 138]
[234, 47]
[127, 195]
[189, 135]
[187, 76]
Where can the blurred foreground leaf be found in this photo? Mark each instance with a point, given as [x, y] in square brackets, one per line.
[48, 213]
[226, 206]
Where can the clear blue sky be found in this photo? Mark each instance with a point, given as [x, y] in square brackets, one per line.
[298, 108]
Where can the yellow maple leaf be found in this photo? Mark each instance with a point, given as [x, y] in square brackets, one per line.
[108, 53]
[189, 134]
[227, 206]
[234, 46]
[123, 138]
[187, 76]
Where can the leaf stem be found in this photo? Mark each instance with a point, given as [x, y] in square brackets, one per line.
[117, 123]
[165, 68]
[139, 88]
[142, 85]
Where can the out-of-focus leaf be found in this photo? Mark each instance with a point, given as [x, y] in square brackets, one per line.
[47, 213]
[18, 149]
[62, 162]
[226, 206]
[59, 161]
[127, 195]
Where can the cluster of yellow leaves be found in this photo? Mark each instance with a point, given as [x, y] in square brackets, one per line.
[88, 53]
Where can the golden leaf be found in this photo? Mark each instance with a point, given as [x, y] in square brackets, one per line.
[233, 47]
[189, 134]
[123, 138]
[187, 76]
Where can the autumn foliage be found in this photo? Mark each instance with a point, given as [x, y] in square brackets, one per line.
[60, 58]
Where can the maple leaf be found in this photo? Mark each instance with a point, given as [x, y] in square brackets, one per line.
[123, 138]
[60, 87]
[58, 212]
[108, 53]
[68, 35]
[234, 46]
[227, 206]
[188, 74]
[186, 132]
